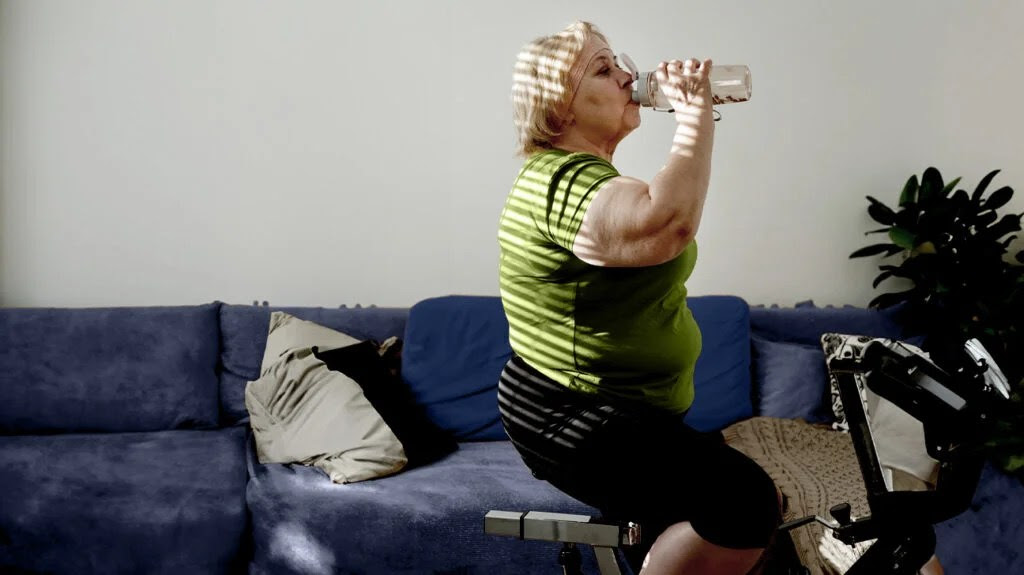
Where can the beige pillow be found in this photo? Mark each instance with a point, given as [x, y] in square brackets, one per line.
[898, 437]
[288, 334]
[302, 412]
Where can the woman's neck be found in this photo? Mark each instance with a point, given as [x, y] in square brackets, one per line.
[573, 141]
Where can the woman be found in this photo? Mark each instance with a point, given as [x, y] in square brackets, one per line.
[593, 270]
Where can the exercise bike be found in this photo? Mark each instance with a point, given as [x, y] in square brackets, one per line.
[951, 403]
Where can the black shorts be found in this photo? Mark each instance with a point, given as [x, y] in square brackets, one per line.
[636, 463]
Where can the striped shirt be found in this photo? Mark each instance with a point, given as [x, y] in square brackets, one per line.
[622, 332]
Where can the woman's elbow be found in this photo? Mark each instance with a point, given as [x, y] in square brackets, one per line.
[672, 242]
[683, 234]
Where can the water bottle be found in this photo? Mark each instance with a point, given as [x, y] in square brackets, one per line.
[729, 83]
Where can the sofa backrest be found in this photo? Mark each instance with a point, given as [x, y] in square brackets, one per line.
[805, 323]
[721, 382]
[244, 338]
[456, 347]
[108, 369]
[790, 378]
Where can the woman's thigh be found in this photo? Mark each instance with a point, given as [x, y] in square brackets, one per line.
[636, 463]
[660, 471]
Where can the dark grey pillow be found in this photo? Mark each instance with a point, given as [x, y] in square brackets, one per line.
[378, 375]
[791, 381]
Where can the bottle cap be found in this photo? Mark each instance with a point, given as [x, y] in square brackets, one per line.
[640, 93]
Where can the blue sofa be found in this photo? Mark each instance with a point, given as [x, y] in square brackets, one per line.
[125, 447]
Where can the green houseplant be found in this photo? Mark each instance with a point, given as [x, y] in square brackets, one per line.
[959, 279]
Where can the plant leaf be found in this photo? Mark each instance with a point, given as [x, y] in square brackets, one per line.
[890, 299]
[949, 187]
[894, 250]
[937, 221]
[876, 249]
[881, 278]
[878, 231]
[902, 272]
[1013, 463]
[880, 212]
[902, 237]
[984, 219]
[931, 186]
[1009, 224]
[999, 198]
[909, 193]
[982, 185]
[960, 200]
[907, 217]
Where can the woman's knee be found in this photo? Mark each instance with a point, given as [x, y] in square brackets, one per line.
[681, 549]
[742, 507]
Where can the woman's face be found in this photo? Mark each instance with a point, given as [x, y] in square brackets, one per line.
[603, 107]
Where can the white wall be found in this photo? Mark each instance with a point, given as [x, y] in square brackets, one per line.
[321, 153]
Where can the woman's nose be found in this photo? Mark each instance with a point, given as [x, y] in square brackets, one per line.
[625, 78]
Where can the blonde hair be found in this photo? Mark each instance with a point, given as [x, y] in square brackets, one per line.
[541, 89]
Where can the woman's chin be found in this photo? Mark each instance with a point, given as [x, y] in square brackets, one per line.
[633, 114]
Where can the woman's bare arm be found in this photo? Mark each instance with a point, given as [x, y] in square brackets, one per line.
[631, 223]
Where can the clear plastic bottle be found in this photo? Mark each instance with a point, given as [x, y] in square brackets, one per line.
[729, 83]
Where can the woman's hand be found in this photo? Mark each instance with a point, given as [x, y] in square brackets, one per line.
[686, 85]
[631, 223]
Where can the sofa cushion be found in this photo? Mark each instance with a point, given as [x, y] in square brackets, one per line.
[244, 338]
[166, 502]
[108, 369]
[790, 381]
[425, 520]
[302, 412]
[721, 381]
[455, 349]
